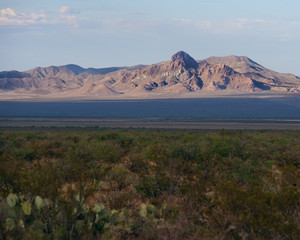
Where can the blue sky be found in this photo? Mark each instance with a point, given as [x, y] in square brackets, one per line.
[100, 33]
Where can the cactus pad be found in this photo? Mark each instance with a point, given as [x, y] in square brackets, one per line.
[9, 224]
[12, 199]
[39, 203]
[143, 211]
[26, 207]
[98, 208]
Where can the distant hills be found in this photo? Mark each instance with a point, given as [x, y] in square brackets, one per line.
[182, 76]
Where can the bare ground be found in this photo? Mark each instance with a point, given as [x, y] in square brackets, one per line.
[154, 123]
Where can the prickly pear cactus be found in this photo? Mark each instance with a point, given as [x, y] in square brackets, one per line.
[151, 209]
[39, 202]
[26, 213]
[79, 198]
[8, 212]
[12, 199]
[164, 206]
[113, 217]
[147, 210]
[9, 224]
[103, 214]
[21, 224]
[143, 211]
[98, 208]
[26, 207]
[85, 209]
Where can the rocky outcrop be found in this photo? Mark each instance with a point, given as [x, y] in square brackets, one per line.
[182, 60]
[181, 75]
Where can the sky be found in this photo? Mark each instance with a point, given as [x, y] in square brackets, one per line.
[98, 33]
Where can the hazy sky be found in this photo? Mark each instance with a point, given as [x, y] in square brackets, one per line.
[101, 33]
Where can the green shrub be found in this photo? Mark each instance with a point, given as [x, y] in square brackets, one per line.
[149, 184]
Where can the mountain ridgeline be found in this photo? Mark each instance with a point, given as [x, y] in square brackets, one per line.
[181, 76]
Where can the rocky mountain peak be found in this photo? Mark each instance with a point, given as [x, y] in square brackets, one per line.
[181, 75]
[183, 59]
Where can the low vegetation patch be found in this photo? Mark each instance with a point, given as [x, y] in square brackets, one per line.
[149, 184]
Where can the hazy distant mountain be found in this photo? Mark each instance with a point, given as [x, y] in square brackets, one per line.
[246, 65]
[181, 76]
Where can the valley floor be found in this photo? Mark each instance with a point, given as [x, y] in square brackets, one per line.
[151, 123]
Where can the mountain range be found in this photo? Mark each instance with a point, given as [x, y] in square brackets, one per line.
[182, 76]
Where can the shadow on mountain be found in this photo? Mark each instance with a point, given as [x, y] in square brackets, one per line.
[261, 85]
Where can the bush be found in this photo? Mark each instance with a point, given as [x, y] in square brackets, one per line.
[149, 184]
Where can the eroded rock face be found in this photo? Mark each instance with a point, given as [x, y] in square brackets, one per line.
[182, 59]
[181, 75]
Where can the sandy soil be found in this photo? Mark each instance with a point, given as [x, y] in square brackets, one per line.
[14, 96]
[149, 123]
